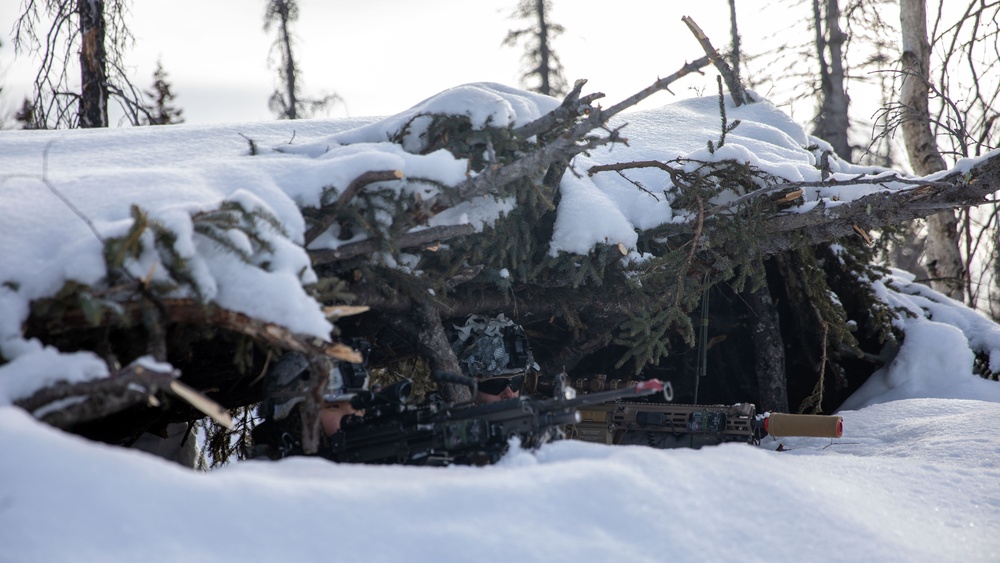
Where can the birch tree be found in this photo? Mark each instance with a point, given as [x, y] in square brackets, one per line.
[943, 258]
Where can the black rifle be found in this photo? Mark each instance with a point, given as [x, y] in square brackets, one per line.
[393, 431]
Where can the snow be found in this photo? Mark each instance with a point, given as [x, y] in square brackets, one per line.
[936, 357]
[912, 480]
[765, 138]
[914, 477]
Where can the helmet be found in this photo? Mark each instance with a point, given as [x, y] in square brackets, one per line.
[347, 378]
[490, 347]
[288, 381]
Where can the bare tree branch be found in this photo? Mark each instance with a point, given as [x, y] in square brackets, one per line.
[422, 237]
[736, 90]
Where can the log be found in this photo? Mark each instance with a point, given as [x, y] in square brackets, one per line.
[69, 404]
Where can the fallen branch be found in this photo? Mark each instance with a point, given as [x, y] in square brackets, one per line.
[572, 107]
[69, 404]
[825, 223]
[571, 143]
[423, 237]
[921, 190]
[191, 312]
[927, 197]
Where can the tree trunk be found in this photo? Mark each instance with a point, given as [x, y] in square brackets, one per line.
[832, 122]
[93, 108]
[942, 256]
[543, 49]
[735, 56]
[422, 325]
[769, 350]
[291, 112]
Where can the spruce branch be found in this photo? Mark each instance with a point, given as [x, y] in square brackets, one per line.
[575, 140]
[328, 213]
[682, 272]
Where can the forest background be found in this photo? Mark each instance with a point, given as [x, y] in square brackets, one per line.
[217, 54]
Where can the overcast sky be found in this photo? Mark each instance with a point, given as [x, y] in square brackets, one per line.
[375, 54]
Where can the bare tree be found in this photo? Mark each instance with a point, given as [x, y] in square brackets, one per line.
[950, 87]
[855, 32]
[735, 55]
[540, 60]
[847, 43]
[832, 121]
[943, 259]
[96, 31]
[964, 90]
[287, 102]
[5, 117]
[966, 81]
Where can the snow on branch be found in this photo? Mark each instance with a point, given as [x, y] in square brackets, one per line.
[67, 405]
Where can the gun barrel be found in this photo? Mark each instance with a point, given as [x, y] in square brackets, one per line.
[810, 425]
[640, 389]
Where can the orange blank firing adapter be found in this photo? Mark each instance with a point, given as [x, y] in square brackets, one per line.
[811, 425]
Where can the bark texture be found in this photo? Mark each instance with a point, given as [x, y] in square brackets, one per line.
[769, 351]
[942, 256]
[832, 123]
[93, 110]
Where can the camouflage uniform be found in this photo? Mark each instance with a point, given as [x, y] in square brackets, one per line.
[285, 389]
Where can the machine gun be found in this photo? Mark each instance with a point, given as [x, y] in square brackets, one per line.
[669, 425]
[393, 431]
[666, 425]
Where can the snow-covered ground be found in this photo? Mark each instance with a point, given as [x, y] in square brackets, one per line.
[911, 480]
[914, 477]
